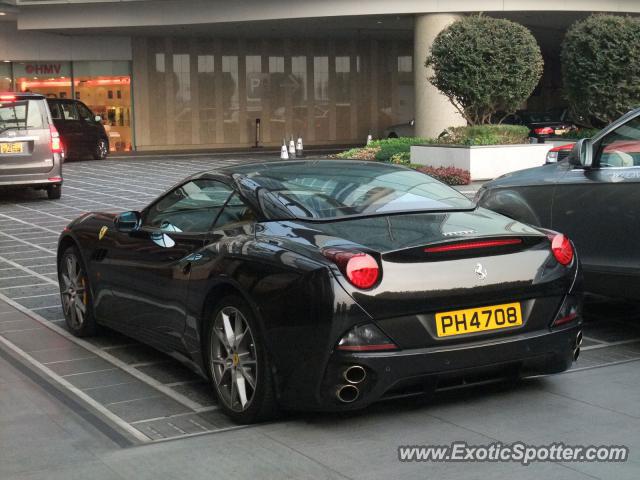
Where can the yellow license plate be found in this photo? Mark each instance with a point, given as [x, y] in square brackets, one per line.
[10, 147]
[471, 320]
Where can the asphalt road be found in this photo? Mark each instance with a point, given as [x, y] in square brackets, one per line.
[112, 404]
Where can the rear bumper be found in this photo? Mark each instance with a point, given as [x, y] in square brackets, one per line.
[407, 372]
[53, 177]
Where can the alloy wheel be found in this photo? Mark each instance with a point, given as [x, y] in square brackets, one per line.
[74, 291]
[234, 361]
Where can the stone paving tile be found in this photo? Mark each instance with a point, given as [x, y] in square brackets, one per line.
[133, 390]
[83, 365]
[112, 376]
[145, 408]
[61, 354]
[200, 392]
[138, 353]
[169, 372]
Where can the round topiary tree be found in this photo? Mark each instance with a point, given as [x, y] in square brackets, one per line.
[485, 65]
[601, 68]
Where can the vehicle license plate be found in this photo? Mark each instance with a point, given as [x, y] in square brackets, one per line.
[471, 320]
[11, 148]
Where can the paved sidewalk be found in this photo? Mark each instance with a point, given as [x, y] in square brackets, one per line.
[43, 439]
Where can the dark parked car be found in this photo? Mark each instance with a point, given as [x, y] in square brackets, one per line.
[30, 149]
[542, 125]
[81, 131]
[593, 196]
[325, 285]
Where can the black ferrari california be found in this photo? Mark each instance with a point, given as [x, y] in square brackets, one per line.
[325, 285]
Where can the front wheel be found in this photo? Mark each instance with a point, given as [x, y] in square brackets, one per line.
[238, 364]
[76, 294]
[101, 150]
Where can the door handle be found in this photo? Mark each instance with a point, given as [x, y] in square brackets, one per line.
[187, 268]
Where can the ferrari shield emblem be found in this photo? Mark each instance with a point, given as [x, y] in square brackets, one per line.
[103, 232]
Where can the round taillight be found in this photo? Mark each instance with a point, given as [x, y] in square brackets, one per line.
[562, 249]
[362, 270]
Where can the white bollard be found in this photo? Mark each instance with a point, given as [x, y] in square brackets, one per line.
[284, 154]
[292, 149]
[299, 148]
[369, 139]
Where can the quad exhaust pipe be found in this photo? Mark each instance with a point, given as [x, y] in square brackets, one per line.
[348, 393]
[355, 374]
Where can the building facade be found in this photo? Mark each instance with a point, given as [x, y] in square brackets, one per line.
[206, 74]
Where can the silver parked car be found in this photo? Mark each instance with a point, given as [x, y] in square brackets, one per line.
[31, 151]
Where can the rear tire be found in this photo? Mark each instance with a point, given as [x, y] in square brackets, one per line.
[238, 364]
[101, 150]
[54, 192]
[75, 294]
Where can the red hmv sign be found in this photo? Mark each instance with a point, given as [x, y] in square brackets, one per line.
[43, 68]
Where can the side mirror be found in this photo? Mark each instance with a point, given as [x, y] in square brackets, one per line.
[97, 118]
[582, 153]
[128, 222]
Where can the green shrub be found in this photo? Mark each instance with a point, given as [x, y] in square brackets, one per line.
[485, 135]
[581, 133]
[362, 153]
[400, 141]
[601, 68]
[484, 65]
[402, 158]
[387, 151]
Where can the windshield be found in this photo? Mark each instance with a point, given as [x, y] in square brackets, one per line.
[20, 114]
[333, 190]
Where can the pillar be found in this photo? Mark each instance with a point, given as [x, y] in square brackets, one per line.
[433, 111]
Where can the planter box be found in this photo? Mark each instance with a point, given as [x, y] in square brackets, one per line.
[484, 162]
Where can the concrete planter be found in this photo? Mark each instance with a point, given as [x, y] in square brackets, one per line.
[484, 162]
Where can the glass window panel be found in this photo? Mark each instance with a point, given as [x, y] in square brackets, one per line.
[6, 84]
[298, 92]
[277, 83]
[206, 64]
[182, 87]
[230, 102]
[157, 91]
[321, 96]
[105, 87]
[207, 98]
[160, 62]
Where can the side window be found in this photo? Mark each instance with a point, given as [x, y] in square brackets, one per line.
[69, 111]
[236, 211]
[84, 112]
[56, 112]
[190, 208]
[621, 148]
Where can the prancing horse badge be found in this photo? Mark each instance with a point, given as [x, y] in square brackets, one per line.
[103, 232]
